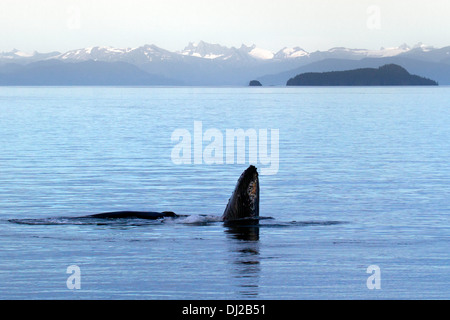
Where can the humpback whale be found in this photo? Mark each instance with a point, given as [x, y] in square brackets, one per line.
[243, 204]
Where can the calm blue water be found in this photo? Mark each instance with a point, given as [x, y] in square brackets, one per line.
[364, 179]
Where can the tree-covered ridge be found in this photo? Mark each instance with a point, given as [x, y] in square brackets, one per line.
[387, 75]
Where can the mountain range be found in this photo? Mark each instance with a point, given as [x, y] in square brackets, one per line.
[205, 64]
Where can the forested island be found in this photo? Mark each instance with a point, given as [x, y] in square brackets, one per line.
[387, 75]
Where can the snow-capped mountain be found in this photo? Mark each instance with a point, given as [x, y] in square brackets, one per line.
[291, 53]
[208, 51]
[357, 54]
[138, 55]
[219, 52]
[94, 53]
[429, 53]
[204, 63]
[258, 53]
[17, 56]
[151, 53]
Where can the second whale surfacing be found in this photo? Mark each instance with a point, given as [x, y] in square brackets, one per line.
[242, 206]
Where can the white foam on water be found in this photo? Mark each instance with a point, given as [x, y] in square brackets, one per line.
[195, 219]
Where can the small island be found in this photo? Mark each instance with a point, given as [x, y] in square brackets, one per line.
[387, 75]
[255, 83]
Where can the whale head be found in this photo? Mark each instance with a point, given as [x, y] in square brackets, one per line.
[244, 202]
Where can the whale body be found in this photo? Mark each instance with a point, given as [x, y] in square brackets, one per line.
[243, 204]
[134, 215]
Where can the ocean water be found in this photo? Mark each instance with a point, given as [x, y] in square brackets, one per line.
[363, 180]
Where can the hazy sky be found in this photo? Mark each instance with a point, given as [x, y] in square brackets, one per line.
[47, 25]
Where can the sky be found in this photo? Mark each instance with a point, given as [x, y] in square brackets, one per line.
[62, 25]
